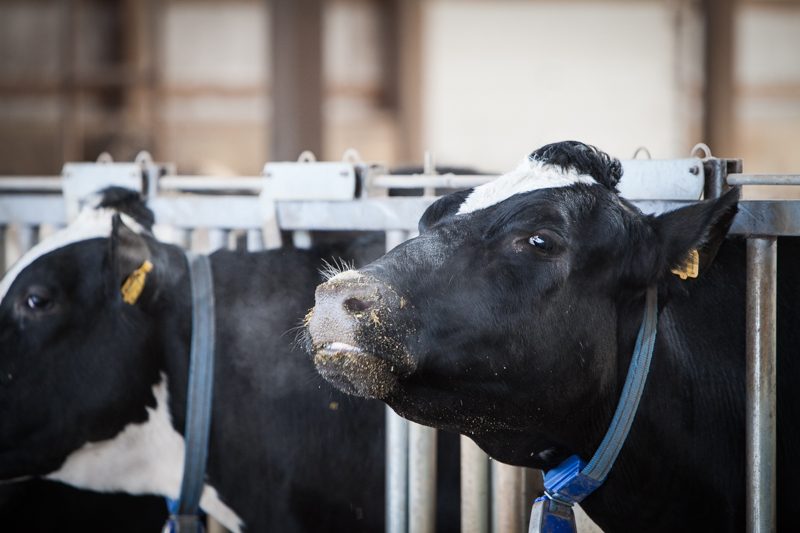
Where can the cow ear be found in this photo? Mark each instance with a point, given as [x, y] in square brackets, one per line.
[442, 208]
[130, 262]
[688, 238]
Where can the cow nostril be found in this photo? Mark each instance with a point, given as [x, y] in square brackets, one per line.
[355, 305]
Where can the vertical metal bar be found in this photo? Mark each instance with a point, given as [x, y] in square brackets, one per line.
[762, 263]
[421, 479]
[27, 236]
[474, 488]
[396, 472]
[715, 178]
[507, 492]
[214, 526]
[255, 240]
[396, 448]
[3, 265]
[301, 239]
[217, 238]
[532, 486]
[185, 238]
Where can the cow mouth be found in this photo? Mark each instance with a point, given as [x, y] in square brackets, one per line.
[354, 370]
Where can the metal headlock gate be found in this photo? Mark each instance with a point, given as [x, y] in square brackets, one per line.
[353, 196]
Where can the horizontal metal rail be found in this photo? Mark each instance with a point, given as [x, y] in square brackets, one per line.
[755, 217]
[13, 184]
[640, 178]
[763, 179]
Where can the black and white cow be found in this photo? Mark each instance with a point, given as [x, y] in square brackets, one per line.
[93, 389]
[512, 319]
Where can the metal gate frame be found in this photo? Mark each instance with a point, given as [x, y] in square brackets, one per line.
[491, 496]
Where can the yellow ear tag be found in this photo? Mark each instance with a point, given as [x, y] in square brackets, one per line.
[134, 284]
[691, 268]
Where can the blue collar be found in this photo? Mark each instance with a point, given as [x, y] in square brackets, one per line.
[573, 480]
[184, 512]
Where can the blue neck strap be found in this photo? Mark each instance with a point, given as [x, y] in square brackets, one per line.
[573, 480]
[184, 512]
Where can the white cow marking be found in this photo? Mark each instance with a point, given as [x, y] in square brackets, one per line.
[528, 176]
[144, 458]
[91, 224]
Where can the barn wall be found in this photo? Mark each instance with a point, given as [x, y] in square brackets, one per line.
[189, 80]
[503, 77]
[768, 91]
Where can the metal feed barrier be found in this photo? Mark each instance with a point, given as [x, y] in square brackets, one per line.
[302, 196]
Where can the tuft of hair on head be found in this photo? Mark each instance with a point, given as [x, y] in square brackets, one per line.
[582, 158]
[334, 267]
[128, 202]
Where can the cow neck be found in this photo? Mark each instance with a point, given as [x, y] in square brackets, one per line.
[573, 480]
[184, 512]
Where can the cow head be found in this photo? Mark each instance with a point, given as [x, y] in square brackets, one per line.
[516, 307]
[78, 364]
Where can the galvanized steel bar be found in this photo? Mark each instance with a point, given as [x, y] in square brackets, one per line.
[217, 238]
[185, 238]
[255, 240]
[31, 183]
[421, 479]
[474, 488]
[3, 265]
[27, 237]
[507, 498]
[214, 526]
[397, 431]
[396, 473]
[763, 179]
[762, 263]
[211, 184]
[532, 487]
[715, 171]
[301, 239]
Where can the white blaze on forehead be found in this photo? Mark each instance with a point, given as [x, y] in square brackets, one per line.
[528, 176]
[144, 458]
[90, 224]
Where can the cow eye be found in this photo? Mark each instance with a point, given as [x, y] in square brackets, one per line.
[38, 301]
[542, 242]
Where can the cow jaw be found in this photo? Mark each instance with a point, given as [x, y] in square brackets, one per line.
[145, 458]
[353, 332]
[354, 371]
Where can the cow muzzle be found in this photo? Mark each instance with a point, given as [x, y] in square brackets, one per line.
[357, 335]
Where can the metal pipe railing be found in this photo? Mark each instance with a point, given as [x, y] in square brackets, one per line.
[474, 488]
[3, 263]
[761, 421]
[763, 179]
[411, 457]
[421, 479]
[507, 503]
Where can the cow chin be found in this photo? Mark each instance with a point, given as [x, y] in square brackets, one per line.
[355, 371]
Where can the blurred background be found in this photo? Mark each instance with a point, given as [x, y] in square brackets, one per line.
[221, 87]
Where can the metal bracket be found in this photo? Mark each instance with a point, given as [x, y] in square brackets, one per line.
[308, 180]
[81, 181]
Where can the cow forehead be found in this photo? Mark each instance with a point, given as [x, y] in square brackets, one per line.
[530, 175]
[90, 224]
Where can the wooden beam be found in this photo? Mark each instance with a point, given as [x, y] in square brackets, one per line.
[719, 121]
[409, 79]
[70, 131]
[296, 78]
